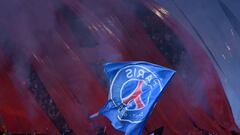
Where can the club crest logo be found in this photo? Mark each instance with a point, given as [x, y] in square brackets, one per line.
[130, 91]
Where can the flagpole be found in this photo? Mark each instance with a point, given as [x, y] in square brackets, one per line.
[94, 115]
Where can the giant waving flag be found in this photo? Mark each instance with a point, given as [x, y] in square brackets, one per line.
[135, 88]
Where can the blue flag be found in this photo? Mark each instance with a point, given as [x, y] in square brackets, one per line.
[135, 88]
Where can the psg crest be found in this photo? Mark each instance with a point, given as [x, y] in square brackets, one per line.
[131, 89]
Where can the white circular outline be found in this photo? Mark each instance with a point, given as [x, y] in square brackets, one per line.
[110, 92]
